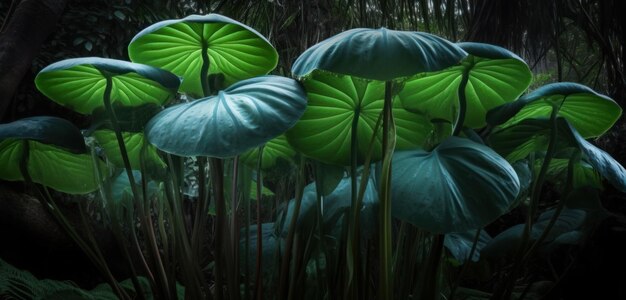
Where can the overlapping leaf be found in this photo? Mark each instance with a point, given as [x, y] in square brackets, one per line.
[334, 101]
[592, 114]
[244, 116]
[495, 76]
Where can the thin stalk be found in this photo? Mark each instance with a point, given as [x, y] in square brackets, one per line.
[458, 124]
[145, 219]
[557, 211]
[430, 288]
[389, 142]
[351, 288]
[98, 261]
[468, 260]
[118, 231]
[283, 284]
[201, 210]
[221, 244]
[234, 225]
[258, 283]
[504, 291]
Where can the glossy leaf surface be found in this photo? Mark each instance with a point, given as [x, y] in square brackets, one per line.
[325, 130]
[460, 185]
[592, 114]
[244, 116]
[233, 50]
[79, 83]
[495, 76]
[379, 54]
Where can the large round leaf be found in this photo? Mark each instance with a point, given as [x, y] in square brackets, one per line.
[233, 50]
[379, 54]
[46, 145]
[460, 185]
[80, 83]
[244, 116]
[325, 130]
[274, 150]
[592, 114]
[494, 76]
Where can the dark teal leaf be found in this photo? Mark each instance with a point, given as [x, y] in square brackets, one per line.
[508, 241]
[334, 206]
[271, 245]
[234, 50]
[48, 130]
[602, 162]
[246, 115]
[460, 244]
[379, 54]
[79, 83]
[460, 185]
[592, 114]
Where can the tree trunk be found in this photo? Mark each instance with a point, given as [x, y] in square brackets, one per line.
[24, 33]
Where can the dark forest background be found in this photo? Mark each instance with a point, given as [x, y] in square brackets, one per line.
[563, 40]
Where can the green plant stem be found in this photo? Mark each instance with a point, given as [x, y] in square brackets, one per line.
[559, 208]
[430, 288]
[386, 254]
[505, 290]
[234, 223]
[258, 283]
[222, 243]
[191, 271]
[468, 260]
[145, 220]
[283, 284]
[98, 261]
[201, 211]
[351, 288]
[458, 124]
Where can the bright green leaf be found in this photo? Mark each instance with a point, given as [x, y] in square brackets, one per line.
[324, 132]
[234, 50]
[79, 83]
[496, 76]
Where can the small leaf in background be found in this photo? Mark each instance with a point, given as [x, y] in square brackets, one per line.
[120, 15]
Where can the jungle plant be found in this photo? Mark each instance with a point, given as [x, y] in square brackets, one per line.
[398, 143]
